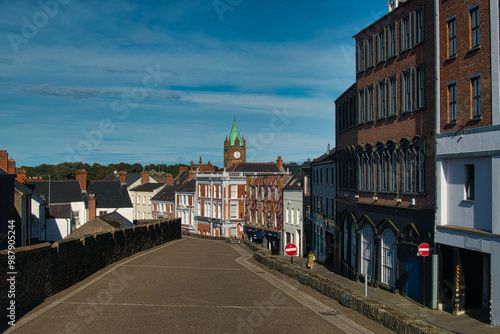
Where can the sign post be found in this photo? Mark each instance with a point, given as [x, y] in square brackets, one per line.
[291, 250]
[424, 250]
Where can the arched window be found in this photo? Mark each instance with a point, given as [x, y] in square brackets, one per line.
[353, 246]
[367, 251]
[346, 240]
[389, 258]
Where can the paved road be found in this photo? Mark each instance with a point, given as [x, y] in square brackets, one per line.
[192, 286]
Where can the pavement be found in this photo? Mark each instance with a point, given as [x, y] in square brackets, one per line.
[443, 320]
[192, 285]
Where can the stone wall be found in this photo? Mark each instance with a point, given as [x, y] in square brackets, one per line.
[45, 269]
[392, 319]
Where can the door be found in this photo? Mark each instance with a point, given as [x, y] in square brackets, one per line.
[412, 278]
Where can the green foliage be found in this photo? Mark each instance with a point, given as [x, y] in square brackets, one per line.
[67, 170]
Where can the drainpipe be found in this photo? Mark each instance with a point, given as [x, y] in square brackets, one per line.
[437, 117]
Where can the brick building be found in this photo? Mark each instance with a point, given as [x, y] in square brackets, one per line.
[468, 158]
[384, 141]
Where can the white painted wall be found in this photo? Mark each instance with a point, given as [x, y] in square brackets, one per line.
[462, 213]
[292, 203]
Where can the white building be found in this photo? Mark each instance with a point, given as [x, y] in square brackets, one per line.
[293, 206]
[468, 217]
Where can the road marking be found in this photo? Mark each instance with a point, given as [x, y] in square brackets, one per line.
[188, 306]
[329, 314]
[24, 320]
[175, 267]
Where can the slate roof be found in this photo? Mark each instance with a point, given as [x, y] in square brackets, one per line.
[60, 211]
[325, 157]
[60, 191]
[292, 168]
[182, 177]
[295, 182]
[104, 223]
[148, 187]
[130, 178]
[188, 187]
[22, 188]
[167, 194]
[109, 194]
[254, 167]
[2, 171]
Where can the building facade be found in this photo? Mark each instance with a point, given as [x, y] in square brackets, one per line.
[468, 158]
[322, 214]
[293, 212]
[185, 205]
[385, 127]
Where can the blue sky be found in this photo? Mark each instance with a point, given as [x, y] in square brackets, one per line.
[161, 81]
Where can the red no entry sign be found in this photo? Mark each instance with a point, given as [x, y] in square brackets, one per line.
[290, 249]
[424, 249]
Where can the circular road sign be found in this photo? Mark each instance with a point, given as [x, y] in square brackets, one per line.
[290, 249]
[424, 249]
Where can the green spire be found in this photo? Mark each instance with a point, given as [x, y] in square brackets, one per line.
[235, 133]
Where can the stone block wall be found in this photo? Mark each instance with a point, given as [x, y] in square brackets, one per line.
[45, 269]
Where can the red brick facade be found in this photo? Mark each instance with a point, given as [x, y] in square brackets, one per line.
[391, 109]
[468, 62]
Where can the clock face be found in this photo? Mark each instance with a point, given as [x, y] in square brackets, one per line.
[237, 154]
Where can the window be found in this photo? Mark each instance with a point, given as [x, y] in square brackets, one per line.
[413, 167]
[353, 246]
[370, 104]
[371, 172]
[381, 112]
[393, 180]
[367, 251]
[234, 211]
[381, 46]
[452, 102]
[476, 96]
[393, 100]
[419, 88]
[382, 171]
[361, 56]
[452, 37]
[234, 191]
[389, 258]
[144, 200]
[406, 91]
[346, 240]
[474, 27]
[469, 183]
[391, 49]
[419, 25]
[361, 107]
[362, 171]
[370, 52]
[405, 33]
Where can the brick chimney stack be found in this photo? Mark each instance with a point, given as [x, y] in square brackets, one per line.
[279, 162]
[144, 177]
[81, 176]
[169, 179]
[123, 176]
[21, 175]
[4, 158]
[11, 166]
[92, 206]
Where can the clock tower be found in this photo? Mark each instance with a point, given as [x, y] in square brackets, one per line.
[235, 147]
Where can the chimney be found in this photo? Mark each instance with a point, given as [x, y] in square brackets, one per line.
[21, 175]
[4, 158]
[92, 206]
[11, 166]
[279, 162]
[144, 177]
[169, 179]
[123, 177]
[81, 176]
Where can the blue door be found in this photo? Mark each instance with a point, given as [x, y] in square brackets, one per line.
[412, 278]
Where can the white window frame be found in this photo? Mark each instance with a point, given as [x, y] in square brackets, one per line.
[389, 258]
